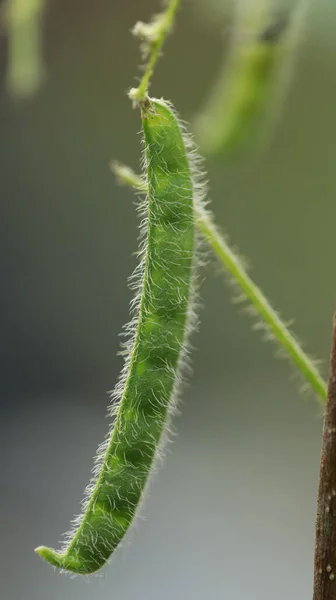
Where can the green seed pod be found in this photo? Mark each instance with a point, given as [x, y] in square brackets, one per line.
[251, 83]
[155, 352]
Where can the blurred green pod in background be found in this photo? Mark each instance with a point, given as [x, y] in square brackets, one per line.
[252, 80]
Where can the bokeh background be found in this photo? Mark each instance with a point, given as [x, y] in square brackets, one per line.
[231, 512]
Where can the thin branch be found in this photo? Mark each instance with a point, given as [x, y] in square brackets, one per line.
[153, 36]
[232, 263]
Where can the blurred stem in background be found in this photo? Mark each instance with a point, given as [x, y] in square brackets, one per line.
[252, 80]
[233, 264]
[25, 69]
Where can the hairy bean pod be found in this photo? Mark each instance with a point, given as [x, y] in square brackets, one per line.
[155, 352]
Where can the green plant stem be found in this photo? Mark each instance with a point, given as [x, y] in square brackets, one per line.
[25, 70]
[154, 35]
[234, 266]
[269, 316]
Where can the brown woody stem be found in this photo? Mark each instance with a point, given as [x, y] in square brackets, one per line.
[325, 545]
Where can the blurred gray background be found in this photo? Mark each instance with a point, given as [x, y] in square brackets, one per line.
[231, 512]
